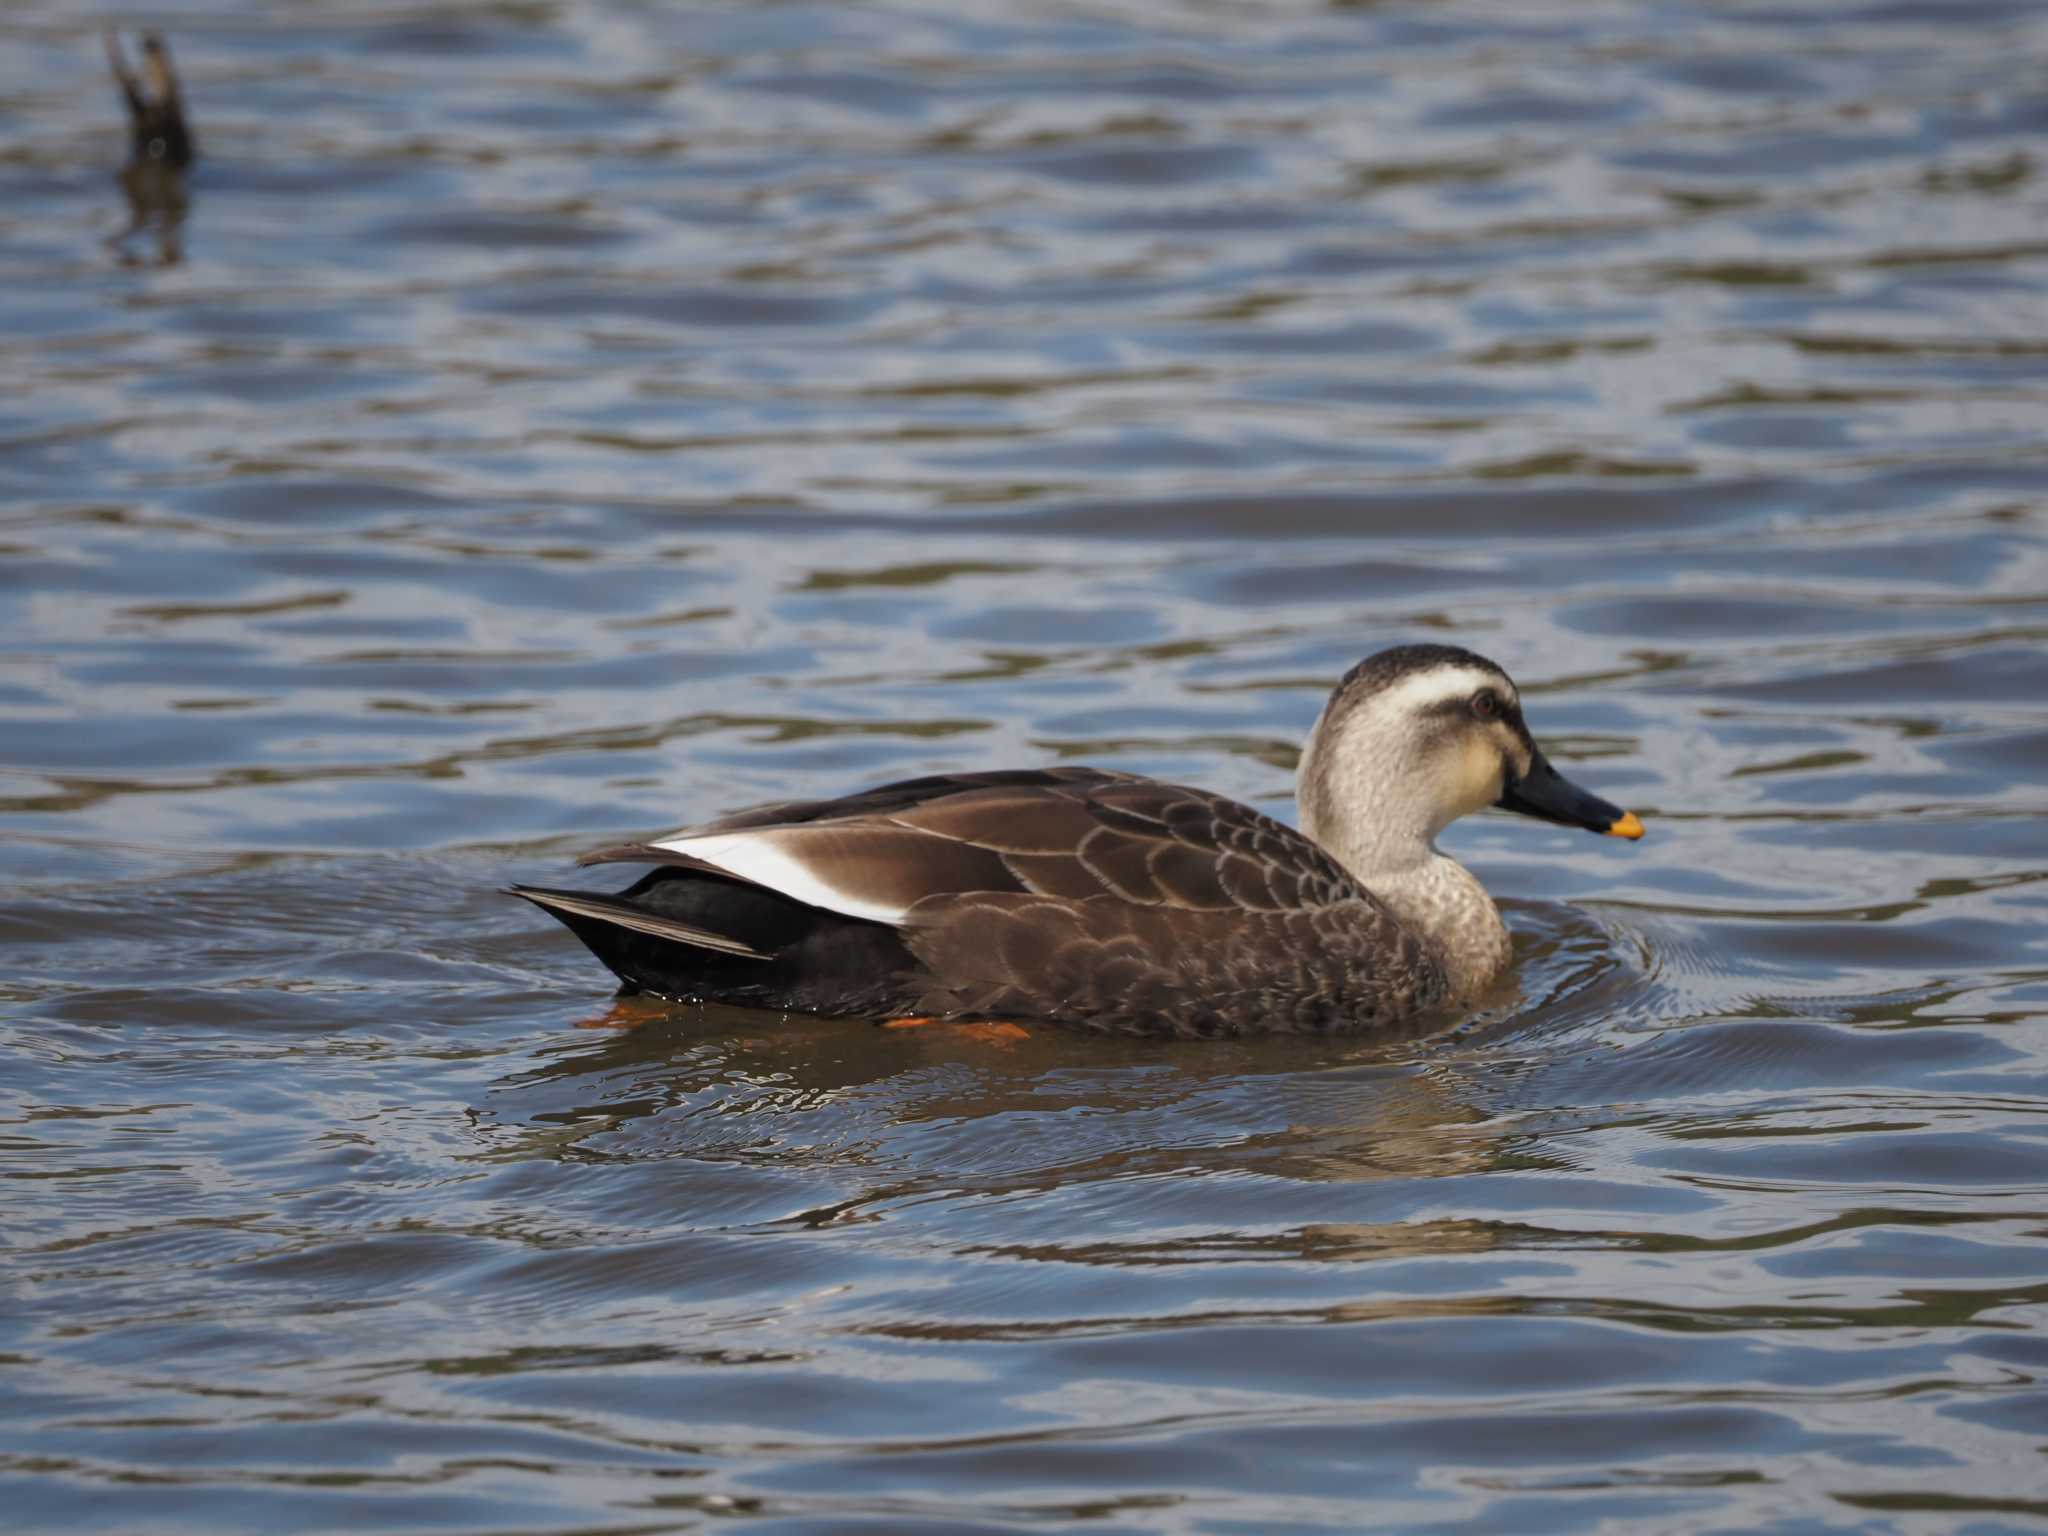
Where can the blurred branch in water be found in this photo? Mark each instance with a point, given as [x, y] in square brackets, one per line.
[160, 146]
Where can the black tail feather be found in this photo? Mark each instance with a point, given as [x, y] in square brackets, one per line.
[678, 933]
[590, 906]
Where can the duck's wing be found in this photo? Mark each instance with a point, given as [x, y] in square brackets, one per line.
[1163, 910]
[1153, 970]
[1101, 899]
[896, 853]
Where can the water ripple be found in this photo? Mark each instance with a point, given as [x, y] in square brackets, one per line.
[550, 423]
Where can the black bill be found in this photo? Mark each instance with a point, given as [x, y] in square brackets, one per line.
[1548, 795]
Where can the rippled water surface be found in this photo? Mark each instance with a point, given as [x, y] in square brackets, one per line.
[552, 422]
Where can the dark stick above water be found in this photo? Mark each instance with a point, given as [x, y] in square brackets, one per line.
[156, 107]
[161, 147]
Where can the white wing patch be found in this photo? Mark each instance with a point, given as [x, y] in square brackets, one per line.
[757, 856]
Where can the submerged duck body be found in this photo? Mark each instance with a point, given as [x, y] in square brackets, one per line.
[1107, 901]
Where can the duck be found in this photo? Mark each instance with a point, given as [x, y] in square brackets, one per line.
[1106, 901]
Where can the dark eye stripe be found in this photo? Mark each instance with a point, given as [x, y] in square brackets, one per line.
[1463, 705]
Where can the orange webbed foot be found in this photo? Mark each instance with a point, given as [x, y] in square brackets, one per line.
[994, 1031]
[982, 1031]
[625, 1013]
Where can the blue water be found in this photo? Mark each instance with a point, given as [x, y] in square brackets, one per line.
[548, 423]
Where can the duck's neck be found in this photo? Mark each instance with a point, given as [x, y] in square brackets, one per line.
[1443, 901]
[1390, 848]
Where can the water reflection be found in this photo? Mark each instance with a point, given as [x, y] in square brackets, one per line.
[157, 205]
[943, 1108]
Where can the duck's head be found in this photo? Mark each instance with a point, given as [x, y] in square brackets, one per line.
[1417, 736]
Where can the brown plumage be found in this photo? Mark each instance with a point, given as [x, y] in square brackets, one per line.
[1090, 898]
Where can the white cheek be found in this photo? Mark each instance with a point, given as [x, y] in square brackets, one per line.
[1482, 778]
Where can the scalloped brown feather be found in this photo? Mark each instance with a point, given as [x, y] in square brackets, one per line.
[1072, 895]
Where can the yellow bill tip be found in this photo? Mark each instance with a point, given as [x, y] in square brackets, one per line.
[1630, 826]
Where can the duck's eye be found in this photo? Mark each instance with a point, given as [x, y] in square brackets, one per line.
[1485, 705]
